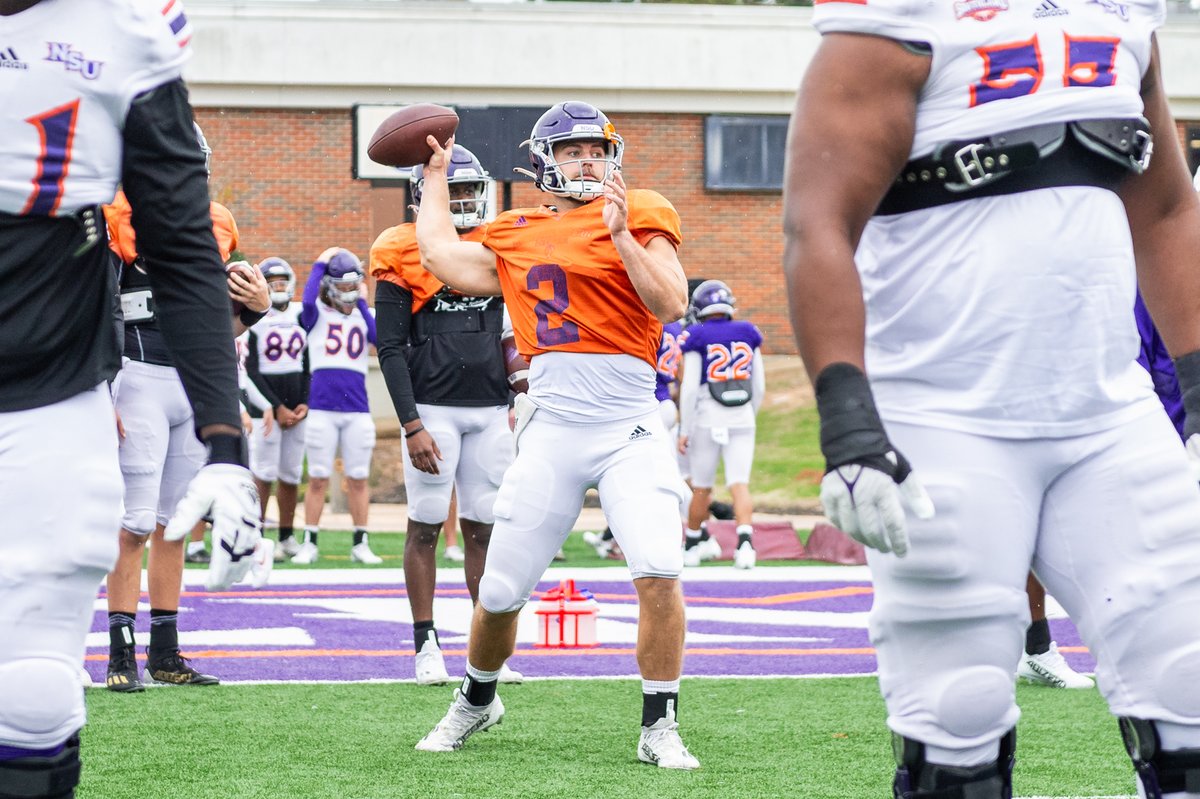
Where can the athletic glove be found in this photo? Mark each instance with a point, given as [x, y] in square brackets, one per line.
[1187, 371]
[224, 489]
[867, 482]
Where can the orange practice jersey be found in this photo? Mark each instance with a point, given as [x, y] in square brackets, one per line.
[396, 259]
[564, 283]
[123, 242]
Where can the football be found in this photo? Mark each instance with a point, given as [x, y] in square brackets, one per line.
[400, 139]
[244, 268]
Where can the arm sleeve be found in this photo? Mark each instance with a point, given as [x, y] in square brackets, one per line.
[689, 392]
[758, 381]
[252, 370]
[369, 318]
[394, 308]
[164, 178]
[307, 380]
[312, 290]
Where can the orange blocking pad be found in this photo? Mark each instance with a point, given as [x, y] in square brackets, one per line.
[830, 544]
[772, 540]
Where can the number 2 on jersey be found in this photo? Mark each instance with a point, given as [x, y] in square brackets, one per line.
[1015, 69]
[565, 332]
[56, 130]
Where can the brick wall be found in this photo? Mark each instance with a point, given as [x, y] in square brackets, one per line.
[286, 175]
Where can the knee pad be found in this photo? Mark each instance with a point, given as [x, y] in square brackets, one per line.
[1160, 772]
[974, 701]
[916, 777]
[139, 520]
[42, 777]
[497, 595]
[40, 701]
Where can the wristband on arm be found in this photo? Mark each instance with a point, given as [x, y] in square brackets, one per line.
[851, 430]
[1187, 371]
[227, 448]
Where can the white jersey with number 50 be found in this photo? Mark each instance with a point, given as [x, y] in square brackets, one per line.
[77, 64]
[338, 341]
[1005, 64]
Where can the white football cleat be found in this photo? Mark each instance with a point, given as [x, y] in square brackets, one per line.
[745, 557]
[510, 676]
[455, 553]
[85, 678]
[460, 723]
[361, 553]
[431, 665]
[1050, 668]
[289, 547]
[307, 555]
[596, 541]
[661, 745]
[707, 548]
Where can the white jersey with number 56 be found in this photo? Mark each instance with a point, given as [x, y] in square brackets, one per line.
[67, 65]
[1005, 64]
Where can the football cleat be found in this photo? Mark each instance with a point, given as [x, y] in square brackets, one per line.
[122, 675]
[721, 510]
[85, 678]
[698, 550]
[430, 665]
[307, 555]
[596, 541]
[455, 553]
[173, 669]
[361, 553]
[263, 562]
[290, 547]
[1050, 668]
[661, 745]
[745, 557]
[510, 676]
[199, 556]
[460, 723]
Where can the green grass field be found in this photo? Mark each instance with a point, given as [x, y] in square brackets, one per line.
[816, 739]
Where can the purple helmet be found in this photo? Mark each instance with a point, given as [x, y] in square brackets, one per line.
[571, 121]
[464, 170]
[275, 268]
[343, 273]
[713, 297]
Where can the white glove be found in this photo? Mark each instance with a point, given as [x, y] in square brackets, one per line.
[1193, 451]
[228, 493]
[866, 504]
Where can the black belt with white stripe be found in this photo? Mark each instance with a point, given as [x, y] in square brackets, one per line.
[1094, 152]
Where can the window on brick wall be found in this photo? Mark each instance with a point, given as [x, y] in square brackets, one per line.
[744, 153]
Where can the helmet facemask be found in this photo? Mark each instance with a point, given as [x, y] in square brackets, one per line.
[281, 280]
[468, 199]
[550, 176]
[281, 290]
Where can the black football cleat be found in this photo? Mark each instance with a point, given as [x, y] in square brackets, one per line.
[721, 510]
[122, 674]
[173, 669]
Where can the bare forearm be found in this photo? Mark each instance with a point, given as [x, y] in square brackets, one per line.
[657, 277]
[825, 301]
[1168, 259]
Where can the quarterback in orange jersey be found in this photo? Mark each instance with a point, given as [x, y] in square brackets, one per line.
[441, 354]
[158, 453]
[589, 281]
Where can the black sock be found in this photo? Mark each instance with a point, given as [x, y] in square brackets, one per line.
[607, 536]
[285, 533]
[360, 535]
[164, 633]
[657, 705]
[1037, 638]
[478, 693]
[310, 535]
[120, 630]
[743, 538]
[422, 632]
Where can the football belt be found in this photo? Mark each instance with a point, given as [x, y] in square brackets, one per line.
[1092, 152]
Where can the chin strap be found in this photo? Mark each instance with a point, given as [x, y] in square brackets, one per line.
[916, 778]
[1161, 772]
[52, 777]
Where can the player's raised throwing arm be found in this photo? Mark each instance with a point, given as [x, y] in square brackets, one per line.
[466, 266]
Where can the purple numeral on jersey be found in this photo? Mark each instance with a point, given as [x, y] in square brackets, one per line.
[1009, 70]
[273, 346]
[356, 342]
[565, 332]
[56, 128]
[1091, 61]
